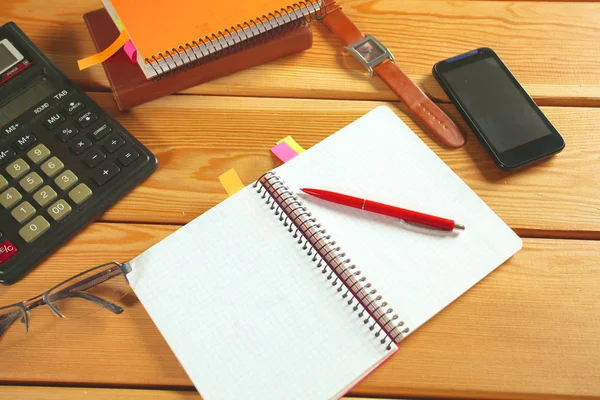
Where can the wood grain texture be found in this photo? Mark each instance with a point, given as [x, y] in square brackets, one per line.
[61, 393]
[551, 48]
[197, 138]
[528, 330]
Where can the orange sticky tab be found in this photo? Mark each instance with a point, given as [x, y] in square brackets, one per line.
[105, 54]
[231, 182]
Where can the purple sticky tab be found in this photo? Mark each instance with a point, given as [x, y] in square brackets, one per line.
[131, 51]
[284, 152]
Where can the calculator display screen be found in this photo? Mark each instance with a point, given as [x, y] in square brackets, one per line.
[24, 101]
[7, 58]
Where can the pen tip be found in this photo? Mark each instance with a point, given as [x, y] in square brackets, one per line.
[459, 227]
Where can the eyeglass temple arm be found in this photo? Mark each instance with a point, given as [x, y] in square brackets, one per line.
[93, 280]
[114, 308]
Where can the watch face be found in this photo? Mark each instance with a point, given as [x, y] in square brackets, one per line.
[370, 51]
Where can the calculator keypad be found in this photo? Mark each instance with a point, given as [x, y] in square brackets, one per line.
[31, 182]
[80, 194]
[54, 165]
[45, 195]
[18, 168]
[38, 154]
[10, 197]
[23, 212]
[34, 229]
[66, 180]
[25, 141]
[59, 210]
[94, 157]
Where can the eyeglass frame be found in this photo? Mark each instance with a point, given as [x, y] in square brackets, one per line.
[42, 299]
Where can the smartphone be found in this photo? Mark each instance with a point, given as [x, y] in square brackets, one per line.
[505, 119]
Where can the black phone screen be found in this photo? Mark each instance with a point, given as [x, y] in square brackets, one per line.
[496, 103]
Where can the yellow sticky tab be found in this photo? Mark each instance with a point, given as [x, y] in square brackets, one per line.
[231, 182]
[104, 54]
[120, 24]
[293, 144]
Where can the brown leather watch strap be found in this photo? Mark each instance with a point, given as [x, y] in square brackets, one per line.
[420, 104]
[410, 94]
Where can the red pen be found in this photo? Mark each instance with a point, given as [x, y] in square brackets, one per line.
[385, 209]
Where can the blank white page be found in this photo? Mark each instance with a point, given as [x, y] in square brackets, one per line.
[247, 313]
[419, 271]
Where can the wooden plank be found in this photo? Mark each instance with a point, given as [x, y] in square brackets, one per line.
[551, 48]
[528, 330]
[197, 138]
[62, 393]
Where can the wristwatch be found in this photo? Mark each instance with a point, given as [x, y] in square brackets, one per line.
[379, 61]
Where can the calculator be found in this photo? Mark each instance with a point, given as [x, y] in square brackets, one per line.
[63, 160]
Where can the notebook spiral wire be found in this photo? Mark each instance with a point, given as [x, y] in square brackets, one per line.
[331, 260]
[247, 34]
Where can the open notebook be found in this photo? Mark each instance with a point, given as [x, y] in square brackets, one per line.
[243, 296]
[173, 34]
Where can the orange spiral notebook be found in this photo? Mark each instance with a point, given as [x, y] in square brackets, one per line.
[170, 35]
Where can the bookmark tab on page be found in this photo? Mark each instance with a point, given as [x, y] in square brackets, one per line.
[231, 182]
[284, 152]
[292, 143]
[131, 51]
[105, 54]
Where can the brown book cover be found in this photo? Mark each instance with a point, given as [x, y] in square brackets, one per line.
[131, 88]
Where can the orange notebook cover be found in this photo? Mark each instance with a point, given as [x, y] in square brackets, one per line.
[173, 33]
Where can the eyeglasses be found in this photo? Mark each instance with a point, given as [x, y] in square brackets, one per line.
[83, 294]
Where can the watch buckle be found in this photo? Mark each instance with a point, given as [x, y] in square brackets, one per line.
[370, 52]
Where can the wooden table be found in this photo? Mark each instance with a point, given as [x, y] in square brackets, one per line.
[529, 330]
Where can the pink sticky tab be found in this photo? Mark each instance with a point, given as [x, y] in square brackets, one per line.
[131, 51]
[284, 152]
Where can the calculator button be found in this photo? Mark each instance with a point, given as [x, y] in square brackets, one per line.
[81, 145]
[80, 194]
[25, 141]
[113, 143]
[10, 198]
[60, 94]
[52, 167]
[23, 212]
[53, 120]
[105, 173]
[6, 155]
[7, 251]
[128, 156]
[44, 196]
[74, 107]
[67, 132]
[59, 210]
[34, 229]
[3, 182]
[66, 179]
[18, 168]
[86, 119]
[101, 131]
[31, 182]
[94, 157]
[38, 154]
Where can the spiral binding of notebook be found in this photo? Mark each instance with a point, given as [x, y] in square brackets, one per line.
[235, 38]
[333, 262]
